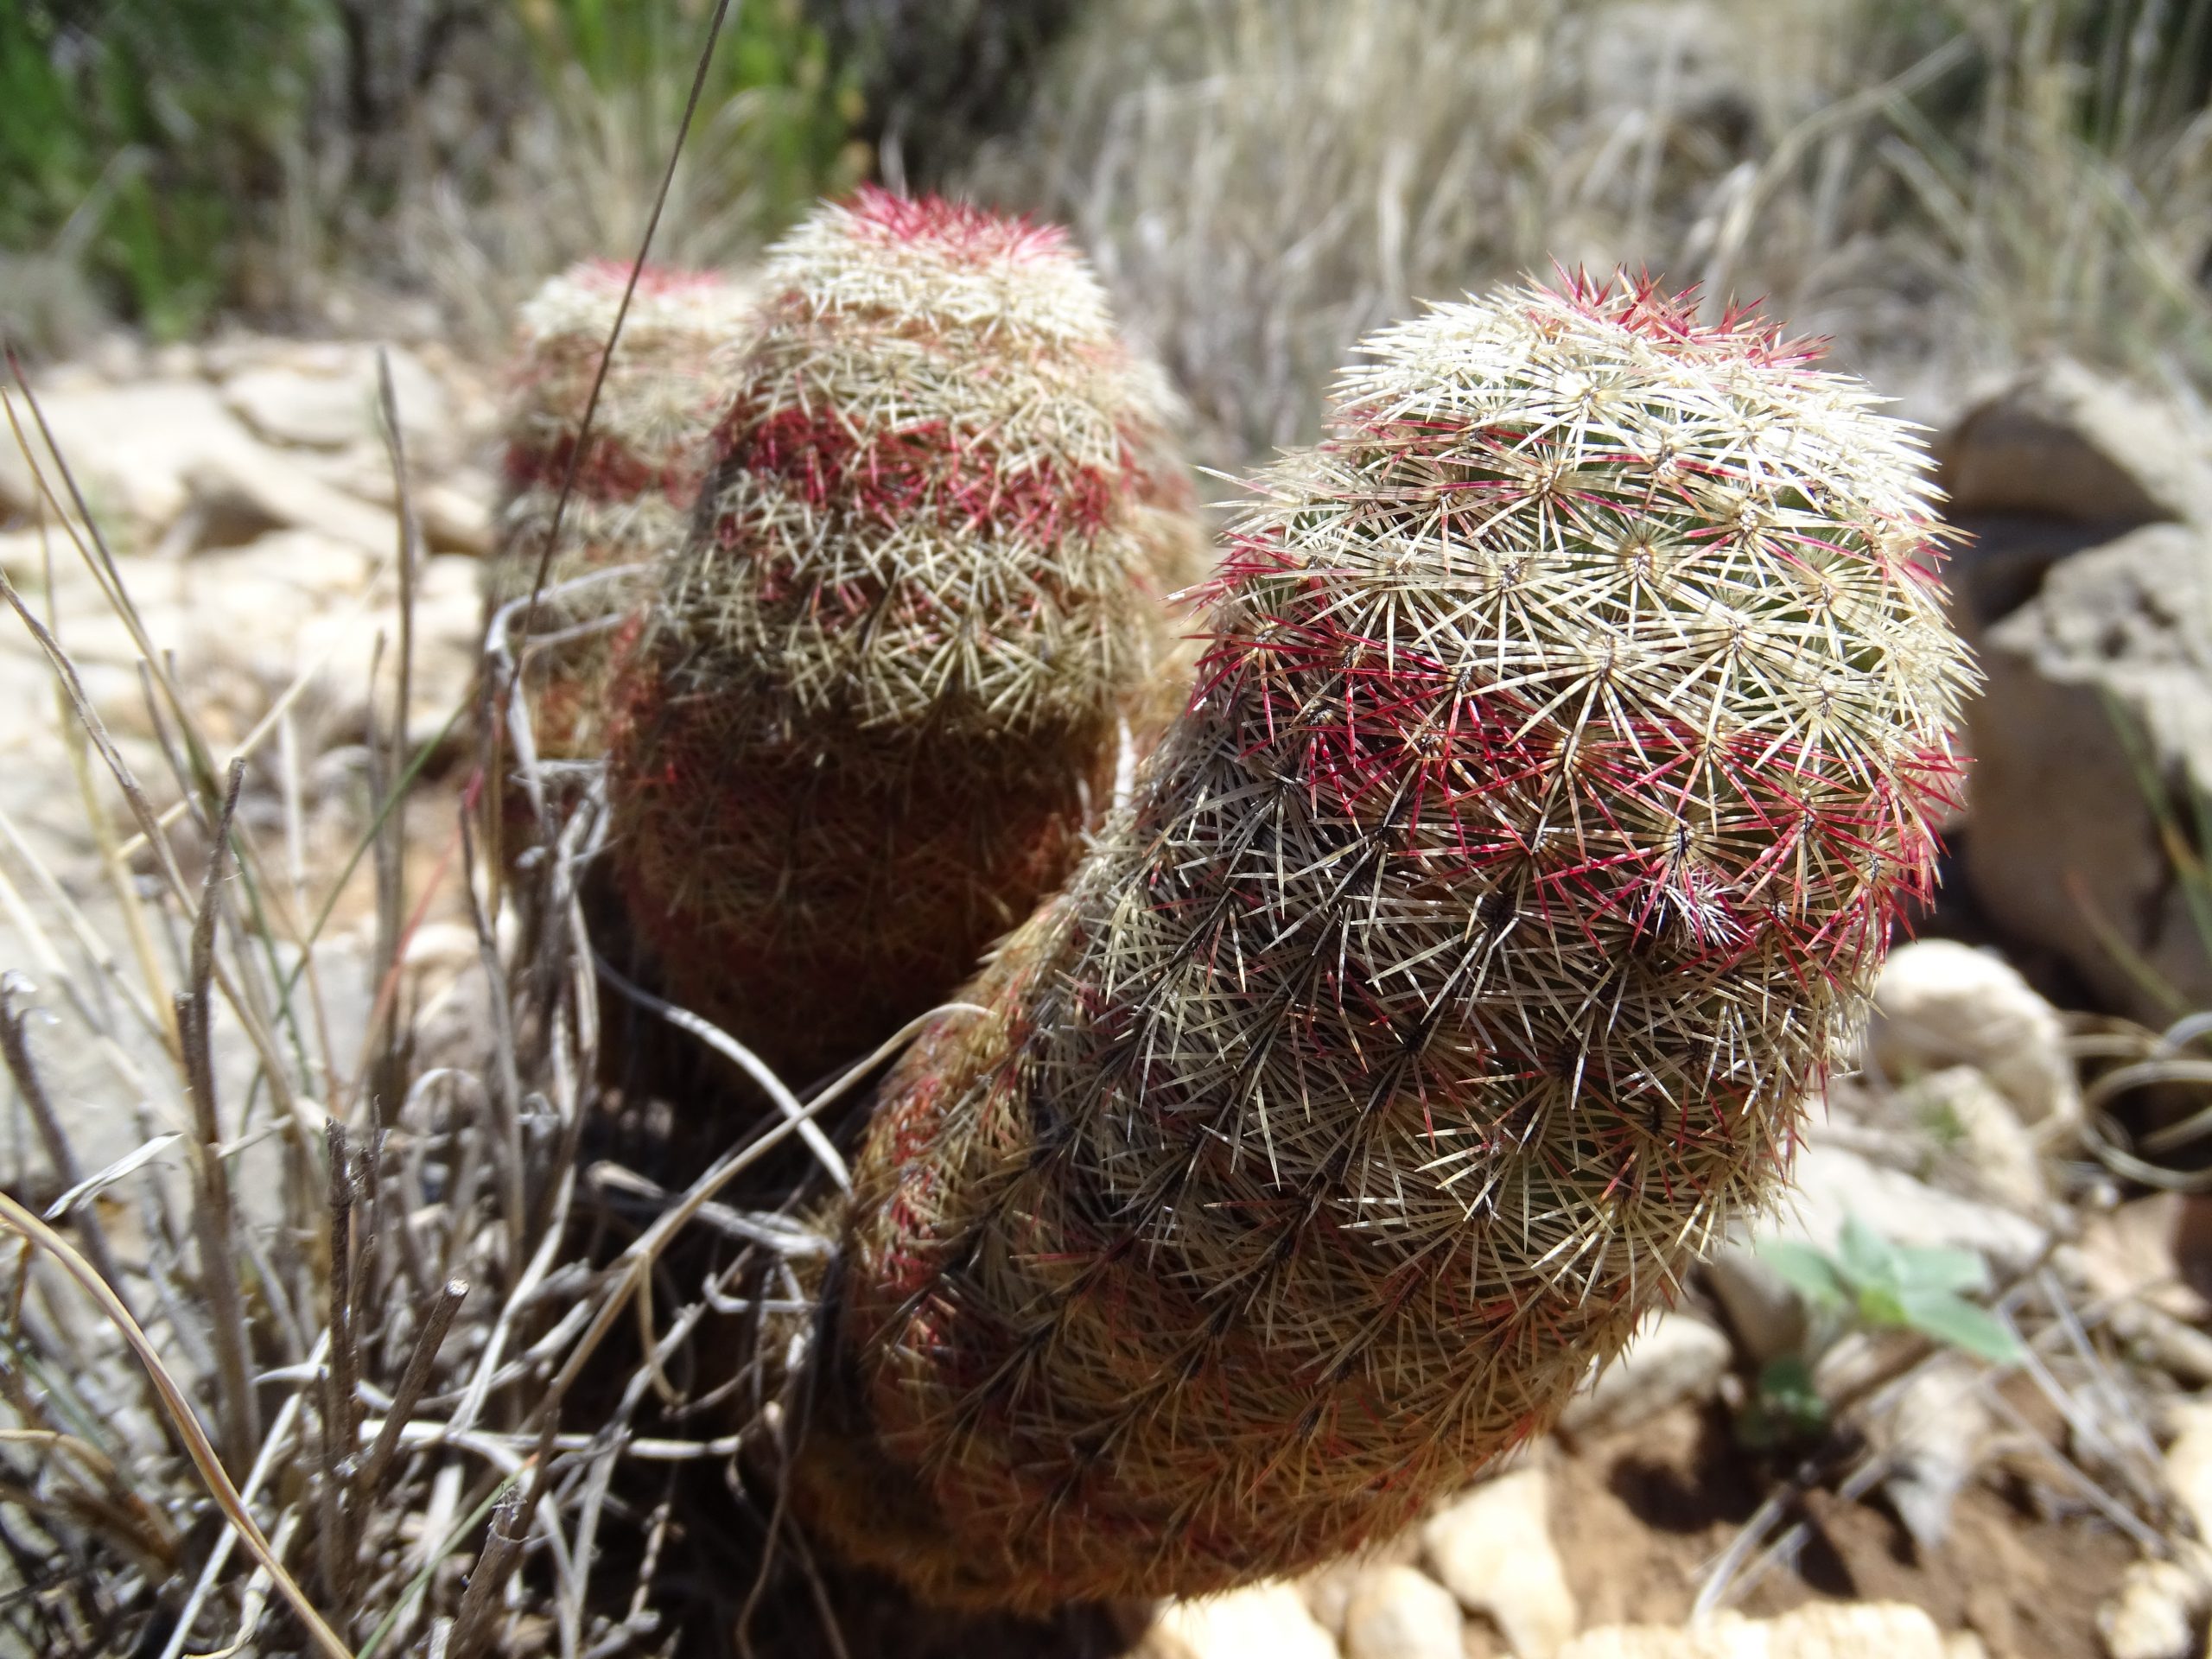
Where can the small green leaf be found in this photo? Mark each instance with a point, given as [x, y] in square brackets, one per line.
[1927, 1269]
[1786, 1382]
[1784, 1409]
[1867, 1258]
[1960, 1324]
[1881, 1308]
[1805, 1270]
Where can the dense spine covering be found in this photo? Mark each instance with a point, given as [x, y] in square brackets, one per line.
[1564, 747]
[637, 480]
[886, 686]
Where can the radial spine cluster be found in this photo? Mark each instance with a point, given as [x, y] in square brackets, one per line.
[1565, 742]
[884, 688]
[635, 481]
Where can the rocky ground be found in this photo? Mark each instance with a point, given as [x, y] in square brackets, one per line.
[2057, 1504]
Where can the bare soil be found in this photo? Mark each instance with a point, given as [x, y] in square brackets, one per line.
[1640, 1516]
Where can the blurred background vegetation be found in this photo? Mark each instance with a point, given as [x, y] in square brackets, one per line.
[1939, 184]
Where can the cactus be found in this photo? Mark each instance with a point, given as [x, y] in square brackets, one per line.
[1564, 747]
[635, 484]
[885, 687]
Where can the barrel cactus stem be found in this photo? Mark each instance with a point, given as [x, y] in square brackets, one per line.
[1564, 747]
[881, 693]
[638, 476]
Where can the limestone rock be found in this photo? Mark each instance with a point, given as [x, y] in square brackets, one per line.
[1984, 1151]
[1850, 1629]
[324, 395]
[2188, 1466]
[1940, 1003]
[1399, 1613]
[2060, 821]
[257, 482]
[1934, 1435]
[1493, 1549]
[2152, 1614]
[1833, 1182]
[1673, 1356]
[1263, 1621]
[2062, 441]
[131, 448]
[1764, 1315]
[455, 511]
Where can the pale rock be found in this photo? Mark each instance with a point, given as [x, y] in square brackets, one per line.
[165, 464]
[448, 629]
[22, 555]
[2062, 441]
[2152, 1615]
[2188, 1467]
[2132, 1254]
[178, 360]
[1263, 1621]
[324, 395]
[245, 622]
[441, 946]
[455, 511]
[1832, 1184]
[1672, 1358]
[1964, 1644]
[1940, 1003]
[313, 411]
[1492, 1549]
[1854, 1631]
[1766, 1316]
[439, 957]
[118, 356]
[1983, 1150]
[258, 481]
[1328, 1590]
[131, 450]
[1399, 1612]
[1935, 1434]
[1860, 1629]
[2065, 851]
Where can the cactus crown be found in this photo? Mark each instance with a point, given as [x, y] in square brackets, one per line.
[926, 515]
[663, 390]
[640, 471]
[881, 690]
[1562, 751]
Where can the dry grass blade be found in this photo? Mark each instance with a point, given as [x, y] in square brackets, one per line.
[413, 1381]
[14, 1052]
[214, 1216]
[275, 1073]
[201, 1450]
[473, 1624]
[389, 762]
[722, 1043]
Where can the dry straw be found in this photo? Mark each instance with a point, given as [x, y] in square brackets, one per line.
[1564, 749]
[885, 686]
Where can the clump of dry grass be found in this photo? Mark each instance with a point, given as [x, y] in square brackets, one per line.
[365, 1352]
[1938, 188]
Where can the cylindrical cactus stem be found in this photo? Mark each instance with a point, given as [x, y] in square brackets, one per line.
[884, 687]
[635, 481]
[1461, 962]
